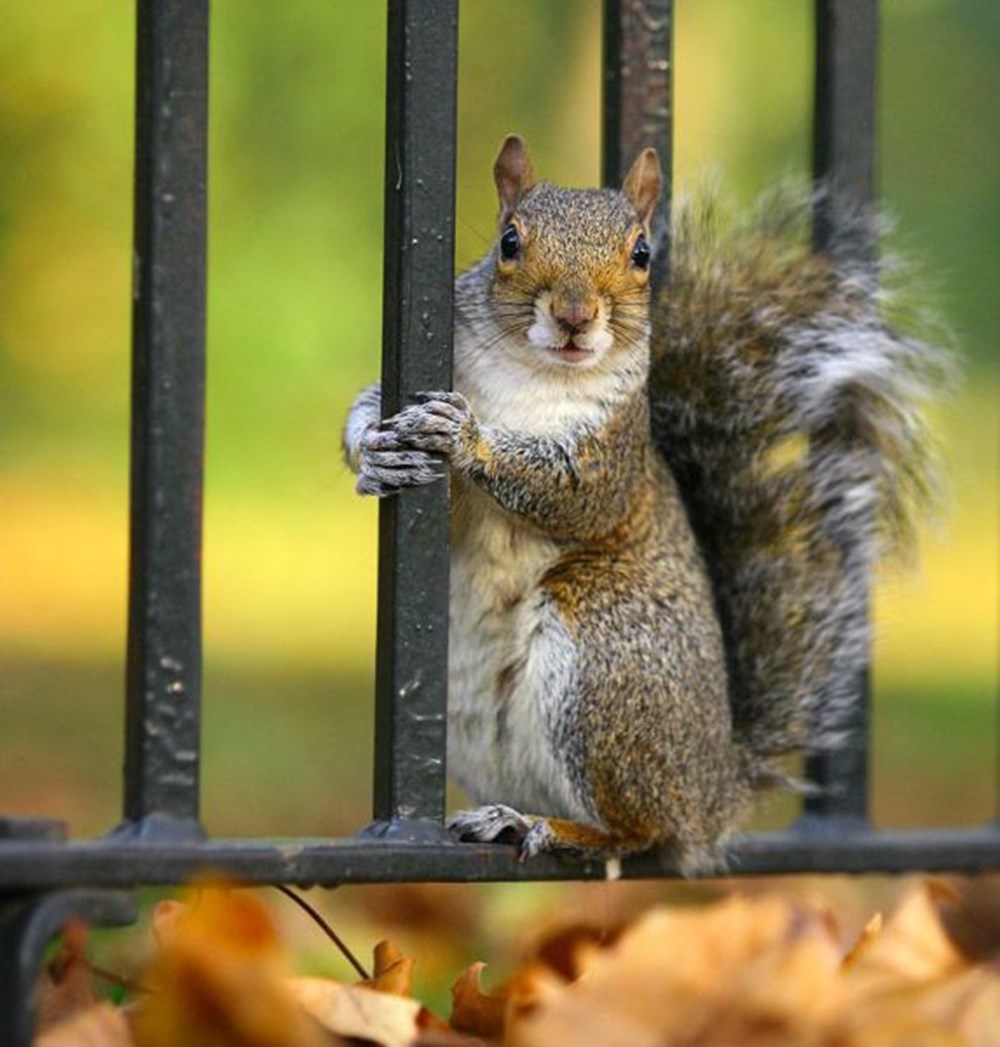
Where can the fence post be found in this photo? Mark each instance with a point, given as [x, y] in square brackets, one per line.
[163, 699]
[412, 672]
[844, 160]
[637, 105]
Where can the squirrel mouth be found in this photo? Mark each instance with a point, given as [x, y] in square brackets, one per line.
[571, 352]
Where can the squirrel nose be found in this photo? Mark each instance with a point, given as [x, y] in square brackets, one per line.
[574, 311]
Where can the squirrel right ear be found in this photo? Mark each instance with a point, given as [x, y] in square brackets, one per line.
[512, 174]
[643, 185]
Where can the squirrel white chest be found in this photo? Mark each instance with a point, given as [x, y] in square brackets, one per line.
[495, 723]
[511, 660]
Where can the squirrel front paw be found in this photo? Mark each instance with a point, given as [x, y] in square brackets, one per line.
[402, 451]
[440, 422]
[385, 467]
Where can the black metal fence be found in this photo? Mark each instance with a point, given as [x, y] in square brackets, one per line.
[46, 879]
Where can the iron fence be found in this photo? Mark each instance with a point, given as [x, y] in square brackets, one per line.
[46, 879]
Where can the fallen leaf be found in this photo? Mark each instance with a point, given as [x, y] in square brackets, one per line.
[220, 980]
[100, 1025]
[960, 1008]
[872, 929]
[430, 1025]
[912, 947]
[973, 921]
[568, 951]
[66, 985]
[165, 920]
[474, 1011]
[727, 974]
[392, 972]
[346, 1010]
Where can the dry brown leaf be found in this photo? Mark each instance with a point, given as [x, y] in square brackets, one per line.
[761, 971]
[977, 1015]
[962, 1008]
[392, 971]
[474, 1011]
[583, 1025]
[220, 980]
[872, 929]
[560, 958]
[165, 919]
[568, 951]
[430, 1022]
[448, 1037]
[67, 982]
[346, 1010]
[912, 947]
[531, 984]
[973, 922]
[100, 1025]
[737, 972]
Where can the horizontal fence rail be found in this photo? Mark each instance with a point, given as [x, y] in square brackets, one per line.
[326, 863]
[46, 880]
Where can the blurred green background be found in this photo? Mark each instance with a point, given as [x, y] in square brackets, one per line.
[294, 315]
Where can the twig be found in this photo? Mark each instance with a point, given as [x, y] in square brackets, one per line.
[117, 979]
[327, 929]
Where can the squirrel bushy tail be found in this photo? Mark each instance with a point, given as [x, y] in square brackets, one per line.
[792, 415]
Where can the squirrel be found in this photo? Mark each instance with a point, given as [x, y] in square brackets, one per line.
[664, 515]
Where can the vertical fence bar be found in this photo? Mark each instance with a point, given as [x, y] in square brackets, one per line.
[847, 43]
[637, 107]
[412, 673]
[844, 158]
[168, 387]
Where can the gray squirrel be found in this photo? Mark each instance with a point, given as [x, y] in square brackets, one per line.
[664, 514]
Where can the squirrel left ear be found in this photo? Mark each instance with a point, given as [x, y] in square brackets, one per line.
[643, 185]
[513, 175]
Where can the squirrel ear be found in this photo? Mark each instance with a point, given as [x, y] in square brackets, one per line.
[512, 174]
[643, 184]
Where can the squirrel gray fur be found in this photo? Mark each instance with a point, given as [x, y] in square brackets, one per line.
[664, 519]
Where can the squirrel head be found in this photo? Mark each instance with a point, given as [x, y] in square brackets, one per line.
[572, 265]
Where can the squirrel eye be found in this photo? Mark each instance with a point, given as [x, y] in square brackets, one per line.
[641, 253]
[510, 243]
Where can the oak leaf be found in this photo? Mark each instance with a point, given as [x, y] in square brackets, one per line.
[356, 1011]
[220, 980]
[100, 1025]
[910, 984]
[67, 983]
[738, 972]
[392, 972]
[474, 1011]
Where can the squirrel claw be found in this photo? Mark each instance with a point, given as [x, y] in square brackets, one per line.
[440, 422]
[539, 838]
[386, 465]
[491, 823]
[498, 823]
[384, 480]
[446, 402]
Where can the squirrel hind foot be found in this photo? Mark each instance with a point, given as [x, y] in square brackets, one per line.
[498, 823]
[535, 834]
[492, 823]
